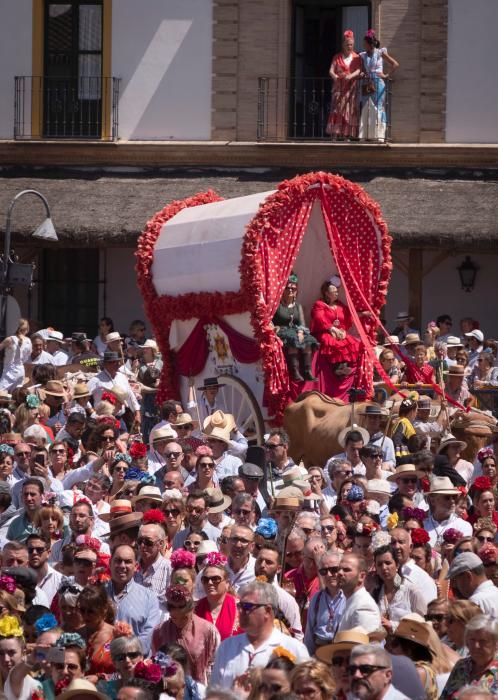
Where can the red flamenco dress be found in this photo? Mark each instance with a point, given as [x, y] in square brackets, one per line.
[335, 355]
[227, 622]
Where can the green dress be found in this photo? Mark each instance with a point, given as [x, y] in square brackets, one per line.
[290, 319]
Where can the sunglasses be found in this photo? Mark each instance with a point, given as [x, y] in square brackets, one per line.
[36, 550]
[120, 469]
[128, 655]
[364, 669]
[242, 511]
[483, 538]
[340, 660]
[207, 465]
[270, 446]
[23, 454]
[328, 528]
[250, 607]
[211, 579]
[58, 452]
[436, 617]
[70, 667]
[171, 455]
[146, 541]
[188, 426]
[332, 570]
[171, 511]
[169, 484]
[409, 480]
[170, 606]
[193, 509]
[308, 530]
[107, 439]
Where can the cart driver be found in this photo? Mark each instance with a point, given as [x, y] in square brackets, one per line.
[210, 400]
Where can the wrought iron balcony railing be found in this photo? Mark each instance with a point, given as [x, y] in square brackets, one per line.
[309, 109]
[76, 108]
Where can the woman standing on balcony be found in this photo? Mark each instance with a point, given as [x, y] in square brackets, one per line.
[344, 71]
[373, 119]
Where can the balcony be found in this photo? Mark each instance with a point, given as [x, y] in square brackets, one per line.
[298, 109]
[66, 108]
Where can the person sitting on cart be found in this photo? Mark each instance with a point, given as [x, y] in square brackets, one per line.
[402, 429]
[290, 327]
[419, 371]
[330, 322]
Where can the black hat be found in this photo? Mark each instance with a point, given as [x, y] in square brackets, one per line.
[79, 337]
[110, 356]
[255, 461]
[210, 383]
[442, 467]
[24, 576]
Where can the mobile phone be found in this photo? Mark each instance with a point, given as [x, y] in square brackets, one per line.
[55, 655]
[40, 459]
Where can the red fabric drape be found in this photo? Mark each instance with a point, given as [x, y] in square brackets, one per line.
[278, 250]
[191, 357]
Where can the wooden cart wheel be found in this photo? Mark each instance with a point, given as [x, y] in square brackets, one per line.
[241, 403]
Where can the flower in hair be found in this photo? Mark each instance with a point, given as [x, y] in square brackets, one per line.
[178, 594]
[109, 420]
[168, 665]
[482, 483]
[487, 554]
[32, 401]
[392, 521]
[355, 494]
[148, 671]
[267, 528]
[215, 559]
[380, 539]
[49, 499]
[462, 490]
[181, 559]
[71, 639]
[154, 515]
[7, 584]
[10, 627]
[370, 34]
[484, 453]
[413, 513]
[203, 451]
[138, 450]
[121, 457]
[348, 34]
[283, 653]
[367, 529]
[134, 474]
[452, 535]
[122, 629]
[87, 541]
[107, 396]
[45, 623]
[419, 536]
[7, 449]
[82, 499]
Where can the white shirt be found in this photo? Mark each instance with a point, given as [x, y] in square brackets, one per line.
[436, 529]
[44, 358]
[243, 576]
[104, 382]
[50, 583]
[60, 358]
[486, 597]
[289, 607]
[236, 654]
[420, 578]
[361, 611]
[228, 465]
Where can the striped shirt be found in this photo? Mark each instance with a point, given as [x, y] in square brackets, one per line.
[139, 607]
[156, 577]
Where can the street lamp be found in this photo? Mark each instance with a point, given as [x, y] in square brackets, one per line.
[45, 231]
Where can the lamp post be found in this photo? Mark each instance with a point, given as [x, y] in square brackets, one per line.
[45, 231]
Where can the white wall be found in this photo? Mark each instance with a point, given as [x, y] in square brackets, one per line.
[442, 292]
[162, 51]
[472, 72]
[124, 302]
[16, 44]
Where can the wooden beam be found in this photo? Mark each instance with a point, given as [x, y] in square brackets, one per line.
[37, 68]
[106, 69]
[400, 264]
[415, 276]
[438, 259]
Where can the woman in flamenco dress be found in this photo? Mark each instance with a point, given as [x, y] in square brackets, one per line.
[289, 325]
[339, 352]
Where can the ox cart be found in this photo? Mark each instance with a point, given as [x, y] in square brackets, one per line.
[212, 273]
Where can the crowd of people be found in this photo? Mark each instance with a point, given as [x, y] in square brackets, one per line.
[149, 551]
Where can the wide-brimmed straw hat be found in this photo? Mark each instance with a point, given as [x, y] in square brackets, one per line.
[343, 641]
[165, 433]
[456, 371]
[373, 409]
[380, 486]
[450, 440]
[111, 337]
[453, 341]
[289, 498]
[391, 340]
[218, 501]
[414, 628]
[80, 687]
[403, 470]
[148, 493]
[404, 316]
[119, 506]
[80, 390]
[295, 477]
[219, 419]
[54, 388]
[443, 485]
[341, 438]
[411, 339]
[185, 419]
[123, 523]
